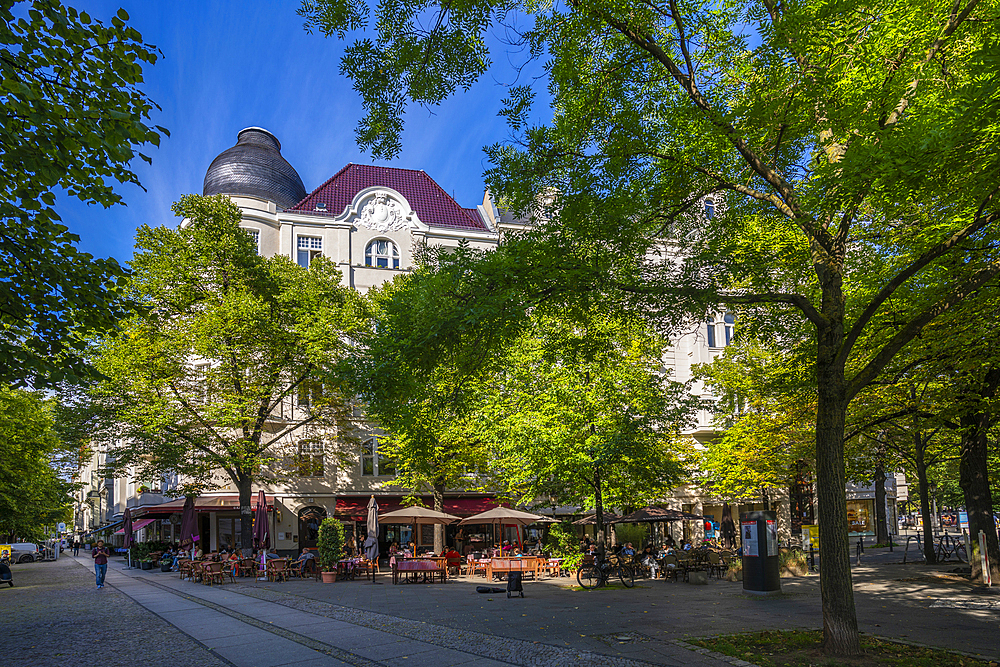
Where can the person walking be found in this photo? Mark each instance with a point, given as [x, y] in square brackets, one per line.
[76, 547]
[100, 556]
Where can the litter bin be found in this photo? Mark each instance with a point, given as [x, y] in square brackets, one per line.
[759, 532]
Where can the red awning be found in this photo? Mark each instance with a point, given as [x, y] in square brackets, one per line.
[201, 504]
[356, 507]
[136, 526]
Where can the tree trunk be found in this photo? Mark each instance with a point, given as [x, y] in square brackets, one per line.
[881, 529]
[438, 494]
[840, 622]
[975, 483]
[925, 505]
[245, 486]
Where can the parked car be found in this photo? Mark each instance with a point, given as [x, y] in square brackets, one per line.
[24, 552]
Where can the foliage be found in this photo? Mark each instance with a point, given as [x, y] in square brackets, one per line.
[33, 493]
[766, 412]
[142, 550]
[635, 533]
[580, 413]
[561, 540]
[423, 394]
[801, 648]
[74, 119]
[855, 146]
[330, 543]
[230, 368]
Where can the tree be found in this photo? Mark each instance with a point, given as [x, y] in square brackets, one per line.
[580, 413]
[32, 493]
[855, 164]
[767, 413]
[73, 120]
[424, 395]
[230, 368]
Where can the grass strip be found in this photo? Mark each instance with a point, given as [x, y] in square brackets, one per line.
[801, 648]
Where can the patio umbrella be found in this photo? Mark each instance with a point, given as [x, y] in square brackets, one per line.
[127, 527]
[189, 523]
[590, 519]
[371, 542]
[261, 535]
[506, 516]
[417, 516]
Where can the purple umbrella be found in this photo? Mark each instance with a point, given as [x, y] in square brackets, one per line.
[189, 523]
[127, 527]
[261, 535]
[371, 542]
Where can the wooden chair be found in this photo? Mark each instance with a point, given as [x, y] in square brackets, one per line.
[715, 565]
[671, 567]
[276, 570]
[184, 567]
[212, 573]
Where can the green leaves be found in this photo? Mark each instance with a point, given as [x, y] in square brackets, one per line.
[74, 117]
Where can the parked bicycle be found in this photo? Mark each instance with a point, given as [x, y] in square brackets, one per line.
[599, 572]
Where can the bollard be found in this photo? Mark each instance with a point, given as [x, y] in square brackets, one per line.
[812, 557]
[861, 548]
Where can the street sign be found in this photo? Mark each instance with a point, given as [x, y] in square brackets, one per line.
[61, 528]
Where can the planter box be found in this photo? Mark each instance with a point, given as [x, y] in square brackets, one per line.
[146, 565]
[165, 566]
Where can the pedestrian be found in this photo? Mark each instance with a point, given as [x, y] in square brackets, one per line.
[100, 556]
[76, 547]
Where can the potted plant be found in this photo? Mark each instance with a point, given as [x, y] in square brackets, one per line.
[330, 546]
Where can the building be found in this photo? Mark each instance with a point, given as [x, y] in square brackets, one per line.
[368, 220]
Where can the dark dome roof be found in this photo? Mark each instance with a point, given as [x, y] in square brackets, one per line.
[254, 167]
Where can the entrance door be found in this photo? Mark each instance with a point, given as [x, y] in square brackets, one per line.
[309, 520]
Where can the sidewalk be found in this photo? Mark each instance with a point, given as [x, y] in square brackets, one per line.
[251, 625]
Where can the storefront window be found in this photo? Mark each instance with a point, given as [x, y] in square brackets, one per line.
[859, 516]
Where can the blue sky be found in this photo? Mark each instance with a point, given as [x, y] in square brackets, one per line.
[230, 65]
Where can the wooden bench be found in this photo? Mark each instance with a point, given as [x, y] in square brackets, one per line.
[426, 568]
[523, 564]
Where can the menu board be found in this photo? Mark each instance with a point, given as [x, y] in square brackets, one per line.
[749, 532]
[772, 538]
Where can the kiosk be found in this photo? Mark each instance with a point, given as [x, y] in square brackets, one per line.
[759, 532]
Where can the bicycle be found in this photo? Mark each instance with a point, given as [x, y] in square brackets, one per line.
[591, 576]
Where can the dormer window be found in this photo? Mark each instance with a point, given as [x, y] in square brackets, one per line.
[709, 207]
[382, 254]
[309, 248]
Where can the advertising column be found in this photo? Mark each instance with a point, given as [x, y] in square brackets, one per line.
[759, 531]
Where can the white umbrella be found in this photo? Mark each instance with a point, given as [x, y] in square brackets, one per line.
[417, 516]
[506, 516]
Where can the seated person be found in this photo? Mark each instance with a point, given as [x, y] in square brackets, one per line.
[627, 550]
[271, 554]
[649, 561]
[303, 561]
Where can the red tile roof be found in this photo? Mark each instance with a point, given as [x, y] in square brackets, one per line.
[432, 204]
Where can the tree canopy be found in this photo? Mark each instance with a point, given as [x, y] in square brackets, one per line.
[32, 492]
[854, 146]
[74, 120]
[227, 375]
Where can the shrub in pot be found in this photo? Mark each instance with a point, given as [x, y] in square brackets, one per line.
[330, 547]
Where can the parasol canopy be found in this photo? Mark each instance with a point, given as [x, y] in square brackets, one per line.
[591, 519]
[371, 541]
[506, 516]
[189, 524]
[127, 520]
[417, 515]
[261, 534]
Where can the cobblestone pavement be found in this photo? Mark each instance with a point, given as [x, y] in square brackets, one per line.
[55, 615]
[249, 625]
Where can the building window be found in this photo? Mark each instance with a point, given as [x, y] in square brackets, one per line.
[382, 254]
[310, 459]
[721, 333]
[374, 464]
[254, 235]
[309, 248]
[709, 207]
